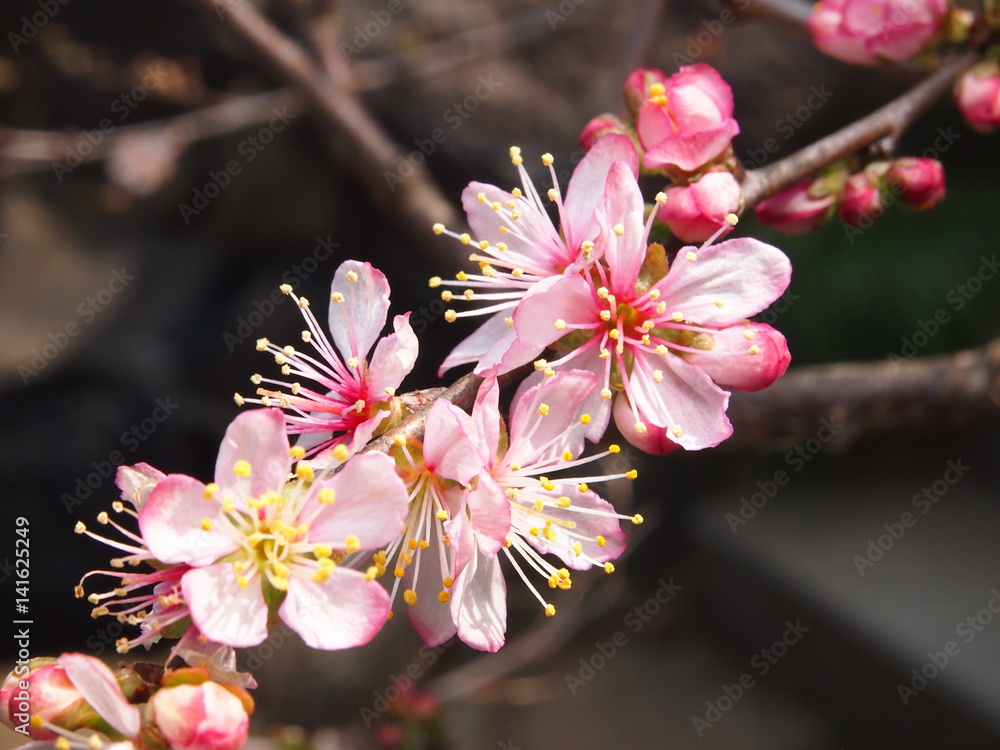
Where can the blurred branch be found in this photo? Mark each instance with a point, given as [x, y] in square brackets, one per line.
[938, 394]
[890, 120]
[792, 13]
[355, 137]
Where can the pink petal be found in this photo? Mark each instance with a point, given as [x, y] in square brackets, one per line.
[731, 364]
[587, 527]
[489, 514]
[586, 189]
[356, 322]
[257, 437]
[344, 611]
[744, 274]
[655, 441]
[370, 503]
[222, 609]
[451, 449]
[170, 522]
[691, 151]
[136, 482]
[486, 416]
[565, 297]
[97, 684]
[623, 208]
[535, 438]
[479, 603]
[393, 359]
[487, 344]
[686, 396]
[430, 617]
[709, 86]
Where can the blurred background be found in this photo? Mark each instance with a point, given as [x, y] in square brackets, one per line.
[158, 180]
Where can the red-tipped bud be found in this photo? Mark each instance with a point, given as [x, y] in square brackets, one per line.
[918, 181]
[696, 211]
[200, 717]
[42, 690]
[599, 127]
[797, 209]
[862, 200]
[978, 96]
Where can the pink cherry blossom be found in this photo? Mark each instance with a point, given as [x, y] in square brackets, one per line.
[635, 326]
[562, 517]
[519, 246]
[47, 693]
[355, 393]
[600, 126]
[252, 541]
[696, 211]
[866, 32]
[199, 717]
[978, 95]
[686, 120]
[796, 210]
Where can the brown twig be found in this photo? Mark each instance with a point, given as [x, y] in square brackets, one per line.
[890, 120]
[937, 394]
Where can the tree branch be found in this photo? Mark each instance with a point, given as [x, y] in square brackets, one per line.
[890, 120]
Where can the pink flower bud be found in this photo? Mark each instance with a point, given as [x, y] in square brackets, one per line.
[200, 717]
[45, 691]
[745, 357]
[795, 210]
[862, 197]
[637, 85]
[919, 181]
[695, 212]
[978, 95]
[868, 31]
[686, 120]
[600, 126]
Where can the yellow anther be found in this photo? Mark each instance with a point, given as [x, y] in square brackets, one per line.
[543, 409]
[603, 292]
[605, 393]
[337, 297]
[749, 334]
[720, 304]
[549, 610]
[661, 307]
[241, 468]
[563, 502]
[631, 474]
[515, 155]
[444, 597]
[340, 452]
[502, 247]
[468, 294]
[442, 515]
[307, 336]
[613, 334]
[582, 487]
[567, 456]
[410, 597]
[327, 496]
[372, 573]
[601, 541]
[296, 452]
[540, 364]
[262, 345]
[509, 322]
[448, 582]
[546, 484]
[637, 519]
[754, 349]
[660, 198]
[353, 362]
[399, 572]
[551, 194]
[450, 315]
[609, 568]
[678, 317]
[483, 245]
[424, 544]
[584, 419]
[465, 238]
[658, 376]
[605, 315]
[690, 256]
[640, 427]
[560, 324]
[614, 448]
[241, 581]
[533, 531]
[304, 303]
[210, 491]
[481, 197]
[732, 219]
[547, 159]
[435, 282]
[239, 399]
[577, 548]
[618, 229]
[304, 471]
[206, 524]
[352, 276]
[662, 350]
[352, 544]
[322, 551]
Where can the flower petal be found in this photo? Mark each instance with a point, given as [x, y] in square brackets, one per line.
[136, 482]
[535, 438]
[370, 503]
[623, 210]
[97, 684]
[479, 602]
[171, 523]
[743, 274]
[568, 298]
[451, 449]
[746, 357]
[345, 610]
[586, 190]
[580, 527]
[222, 609]
[357, 320]
[487, 344]
[394, 357]
[257, 437]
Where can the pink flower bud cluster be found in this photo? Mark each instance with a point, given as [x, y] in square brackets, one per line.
[857, 199]
[978, 95]
[683, 125]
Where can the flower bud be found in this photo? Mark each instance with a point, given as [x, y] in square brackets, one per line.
[978, 96]
[199, 717]
[866, 32]
[744, 357]
[42, 690]
[862, 197]
[600, 126]
[696, 211]
[918, 181]
[637, 85]
[797, 209]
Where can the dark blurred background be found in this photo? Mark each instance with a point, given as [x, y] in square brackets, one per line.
[128, 322]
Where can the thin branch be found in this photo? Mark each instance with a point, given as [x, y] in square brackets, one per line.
[356, 138]
[890, 120]
[931, 395]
